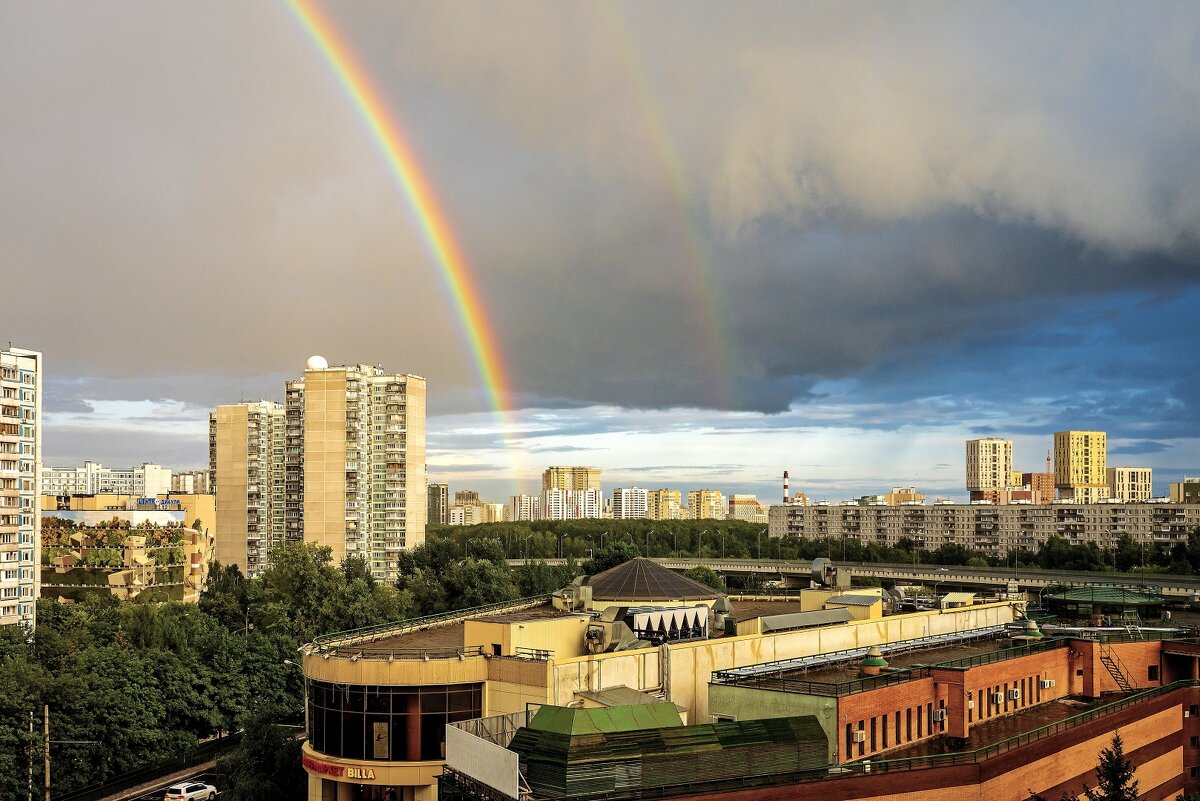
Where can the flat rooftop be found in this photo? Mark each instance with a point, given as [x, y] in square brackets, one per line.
[835, 674]
[999, 729]
[451, 635]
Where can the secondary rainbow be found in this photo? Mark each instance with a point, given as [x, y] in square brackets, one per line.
[452, 265]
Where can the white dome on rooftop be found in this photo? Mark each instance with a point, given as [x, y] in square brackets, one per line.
[316, 363]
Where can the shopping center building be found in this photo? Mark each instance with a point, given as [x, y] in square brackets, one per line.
[379, 701]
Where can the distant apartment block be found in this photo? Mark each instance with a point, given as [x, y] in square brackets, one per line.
[20, 476]
[190, 482]
[995, 530]
[1080, 466]
[463, 497]
[575, 479]
[471, 514]
[746, 507]
[706, 504]
[1186, 491]
[90, 478]
[523, 507]
[564, 504]
[246, 461]
[1130, 484]
[1041, 486]
[629, 503]
[664, 504]
[438, 505]
[900, 496]
[989, 464]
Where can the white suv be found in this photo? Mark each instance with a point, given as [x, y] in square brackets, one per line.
[190, 791]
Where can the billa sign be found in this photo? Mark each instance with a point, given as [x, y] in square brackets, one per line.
[346, 771]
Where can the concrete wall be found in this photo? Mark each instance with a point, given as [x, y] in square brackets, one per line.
[748, 703]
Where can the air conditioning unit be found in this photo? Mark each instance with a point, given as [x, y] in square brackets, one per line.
[1047, 683]
[997, 698]
[860, 736]
[939, 715]
[1014, 694]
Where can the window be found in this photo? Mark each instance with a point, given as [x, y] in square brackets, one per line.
[1195, 742]
[497, 650]
[1079, 672]
[1152, 673]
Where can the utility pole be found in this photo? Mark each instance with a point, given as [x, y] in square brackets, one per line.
[46, 745]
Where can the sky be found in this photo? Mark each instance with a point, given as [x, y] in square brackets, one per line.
[715, 240]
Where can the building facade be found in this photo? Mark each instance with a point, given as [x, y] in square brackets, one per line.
[575, 479]
[90, 478]
[748, 508]
[246, 456]
[438, 504]
[20, 477]
[1080, 465]
[1130, 484]
[664, 504]
[563, 504]
[191, 482]
[706, 504]
[362, 471]
[523, 507]
[1186, 491]
[989, 463]
[629, 503]
[995, 530]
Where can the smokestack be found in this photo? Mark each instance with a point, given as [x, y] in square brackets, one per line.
[785, 486]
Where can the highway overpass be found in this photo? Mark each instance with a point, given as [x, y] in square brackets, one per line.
[1028, 579]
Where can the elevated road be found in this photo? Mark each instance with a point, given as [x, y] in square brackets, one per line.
[1028, 579]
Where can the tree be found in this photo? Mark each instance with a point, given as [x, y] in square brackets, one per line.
[706, 576]
[1114, 775]
[609, 557]
[266, 763]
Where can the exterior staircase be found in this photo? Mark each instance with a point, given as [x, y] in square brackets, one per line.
[1115, 668]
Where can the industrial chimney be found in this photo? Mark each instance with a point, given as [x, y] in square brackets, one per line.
[786, 497]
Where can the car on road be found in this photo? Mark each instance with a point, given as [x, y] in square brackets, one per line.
[190, 791]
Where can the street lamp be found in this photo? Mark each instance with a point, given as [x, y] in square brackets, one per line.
[700, 542]
[527, 539]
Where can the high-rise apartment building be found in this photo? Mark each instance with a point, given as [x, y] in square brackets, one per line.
[664, 504]
[571, 478]
[564, 504]
[190, 482]
[93, 478]
[437, 508]
[246, 461]
[363, 462]
[1080, 465]
[524, 507]
[1128, 484]
[629, 503]
[746, 507]
[20, 476]
[1041, 486]
[464, 497]
[989, 464]
[706, 504]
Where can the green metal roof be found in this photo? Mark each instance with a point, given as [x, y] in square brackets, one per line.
[1106, 595]
[566, 720]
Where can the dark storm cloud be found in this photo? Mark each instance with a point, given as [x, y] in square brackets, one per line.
[726, 207]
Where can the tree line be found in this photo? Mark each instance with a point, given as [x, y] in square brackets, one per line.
[731, 539]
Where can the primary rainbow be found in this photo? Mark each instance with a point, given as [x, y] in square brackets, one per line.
[456, 273]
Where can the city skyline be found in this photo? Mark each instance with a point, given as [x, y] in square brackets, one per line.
[819, 239]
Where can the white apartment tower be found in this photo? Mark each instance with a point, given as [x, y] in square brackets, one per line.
[989, 464]
[523, 507]
[630, 503]
[93, 478]
[246, 462]
[20, 475]
[1130, 484]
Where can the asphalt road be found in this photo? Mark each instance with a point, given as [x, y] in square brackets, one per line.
[156, 792]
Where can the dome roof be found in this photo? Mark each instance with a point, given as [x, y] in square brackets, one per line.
[316, 363]
[642, 579]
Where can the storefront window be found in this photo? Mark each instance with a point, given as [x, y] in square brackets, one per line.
[396, 724]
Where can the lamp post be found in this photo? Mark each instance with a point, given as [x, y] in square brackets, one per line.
[700, 542]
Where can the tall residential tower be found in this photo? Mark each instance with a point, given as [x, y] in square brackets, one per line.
[1080, 462]
[20, 475]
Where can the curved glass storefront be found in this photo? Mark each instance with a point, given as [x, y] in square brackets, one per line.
[395, 724]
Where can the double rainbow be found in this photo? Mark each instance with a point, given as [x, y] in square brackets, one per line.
[455, 271]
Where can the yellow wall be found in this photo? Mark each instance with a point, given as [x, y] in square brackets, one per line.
[562, 635]
[857, 612]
